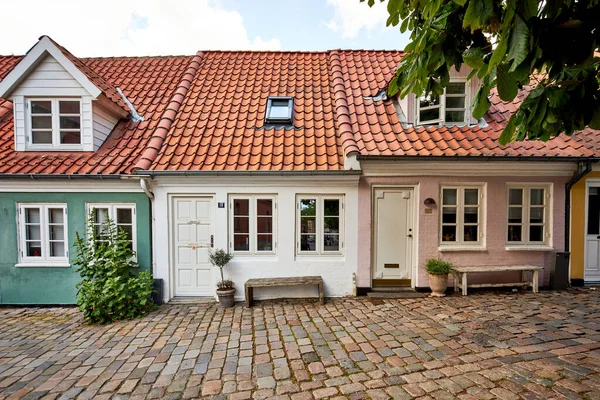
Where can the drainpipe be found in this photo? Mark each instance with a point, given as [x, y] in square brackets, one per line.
[146, 189]
[583, 168]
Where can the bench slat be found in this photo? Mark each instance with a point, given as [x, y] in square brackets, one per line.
[497, 268]
[285, 281]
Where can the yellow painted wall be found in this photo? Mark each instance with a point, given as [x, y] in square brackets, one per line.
[578, 226]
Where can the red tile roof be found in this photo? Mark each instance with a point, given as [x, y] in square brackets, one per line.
[206, 113]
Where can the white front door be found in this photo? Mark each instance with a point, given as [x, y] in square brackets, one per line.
[193, 237]
[592, 236]
[394, 233]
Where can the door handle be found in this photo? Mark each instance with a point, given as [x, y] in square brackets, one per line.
[597, 237]
[212, 241]
[409, 235]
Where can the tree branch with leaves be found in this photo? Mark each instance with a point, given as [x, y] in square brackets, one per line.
[549, 45]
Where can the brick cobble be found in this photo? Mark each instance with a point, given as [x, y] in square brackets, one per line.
[485, 345]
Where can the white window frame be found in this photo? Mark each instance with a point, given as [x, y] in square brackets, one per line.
[442, 106]
[55, 125]
[525, 213]
[460, 243]
[320, 221]
[112, 214]
[45, 260]
[252, 214]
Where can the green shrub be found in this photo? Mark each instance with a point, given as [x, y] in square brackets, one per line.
[109, 291]
[435, 266]
[220, 258]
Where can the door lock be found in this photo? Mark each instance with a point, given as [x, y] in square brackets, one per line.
[212, 241]
[409, 234]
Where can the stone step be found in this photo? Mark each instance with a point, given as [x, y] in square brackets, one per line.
[397, 295]
[192, 300]
[390, 289]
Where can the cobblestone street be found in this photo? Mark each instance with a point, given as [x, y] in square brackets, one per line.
[483, 346]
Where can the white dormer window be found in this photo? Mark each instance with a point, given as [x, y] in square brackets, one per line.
[54, 123]
[449, 108]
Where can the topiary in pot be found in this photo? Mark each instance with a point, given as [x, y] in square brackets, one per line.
[225, 289]
[438, 271]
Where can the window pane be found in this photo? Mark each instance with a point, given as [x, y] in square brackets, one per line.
[593, 222]
[429, 101]
[32, 215]
[241, 207]
[536, 233]
[41, 107]
[471, 215]
[331, 243]
[449, 215]
[57, 249]
[33, 232]
[448, 233]
[124, 216]
[41, 137]
[264, 242]
[70, 137]
[100, 215]
[128, 229]
[537, 197]
[264, 207]
[308, 225]
[69, 107]
[308, 207]
[455, 102]
[514, 233]
[241, 242]
[264, 224]
[471, 196]
[70, 123]
[41, 122]
[57, 232]
[308, 242]
[515, 215]
[429, 115]
[279, 108]
[331, 225]
[536, 215]
[331, 208]
[56, 215]
[471, 233]
[515, 196]
[449, 197]
[455, 88]
[34, 249]
[455, 116]
[241, 224]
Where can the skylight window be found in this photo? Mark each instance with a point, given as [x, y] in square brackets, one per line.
[279, 110]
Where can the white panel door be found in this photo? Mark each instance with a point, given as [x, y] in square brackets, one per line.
[193, 237]
[592, 237]
[394, 231]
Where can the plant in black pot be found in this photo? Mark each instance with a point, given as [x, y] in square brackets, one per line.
[225, 289]
[438, 276]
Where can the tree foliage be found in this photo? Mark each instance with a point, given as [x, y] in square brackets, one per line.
[507, 43]
[109, 291]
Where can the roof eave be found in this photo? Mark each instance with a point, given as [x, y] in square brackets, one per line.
[365, 157]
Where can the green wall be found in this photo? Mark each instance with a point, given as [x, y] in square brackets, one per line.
[47, 285]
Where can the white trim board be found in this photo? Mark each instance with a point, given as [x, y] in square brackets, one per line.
[190, 182]
[69, 186]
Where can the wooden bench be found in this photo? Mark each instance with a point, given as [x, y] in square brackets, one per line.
[460, 276]
[274, 282]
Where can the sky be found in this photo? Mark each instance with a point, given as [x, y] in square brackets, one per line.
[153, 27]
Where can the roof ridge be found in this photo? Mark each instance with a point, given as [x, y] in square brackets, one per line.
[166, 120]
[343, 122]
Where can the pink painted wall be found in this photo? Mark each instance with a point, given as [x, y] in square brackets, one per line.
[428, 225]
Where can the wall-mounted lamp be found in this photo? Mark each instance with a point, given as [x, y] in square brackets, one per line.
[429, 202]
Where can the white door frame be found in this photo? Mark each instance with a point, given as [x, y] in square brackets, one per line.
[171, 208]
[590, 182]
[415, 253]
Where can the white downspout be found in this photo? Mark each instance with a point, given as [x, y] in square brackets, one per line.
[146, 189]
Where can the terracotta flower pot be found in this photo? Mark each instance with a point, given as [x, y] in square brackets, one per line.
[438, 284]
[226, 299]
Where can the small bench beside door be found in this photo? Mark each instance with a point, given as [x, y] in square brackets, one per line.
[460, 275]
[274, 282]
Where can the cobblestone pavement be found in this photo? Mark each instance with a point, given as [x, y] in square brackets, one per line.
[484, 346]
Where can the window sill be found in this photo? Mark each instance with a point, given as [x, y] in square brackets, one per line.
[43, 265]
[320, 257]
[461, 248]
[525, 247]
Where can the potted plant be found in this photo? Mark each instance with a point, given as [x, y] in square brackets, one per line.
[225, 290]
[438, 271]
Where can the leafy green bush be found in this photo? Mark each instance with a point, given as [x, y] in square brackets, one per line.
[109, 291]
[220, 258]
[435, 266]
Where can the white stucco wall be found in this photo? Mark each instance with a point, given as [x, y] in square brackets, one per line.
[336, 270]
